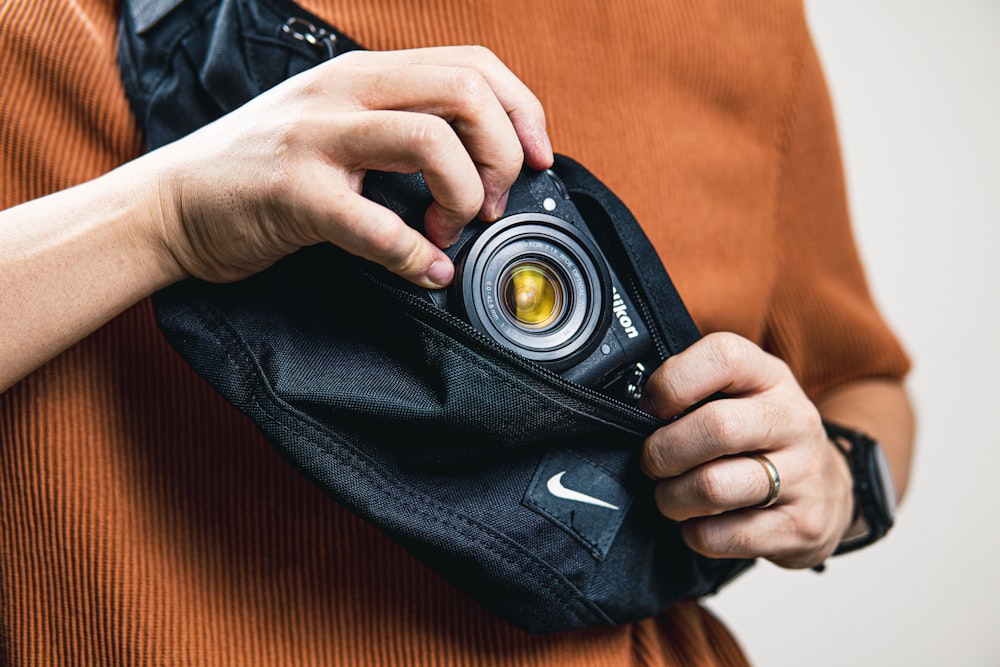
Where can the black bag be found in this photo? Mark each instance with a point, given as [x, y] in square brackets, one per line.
[460, 449]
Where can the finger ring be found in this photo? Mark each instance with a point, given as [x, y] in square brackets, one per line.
[773, 479]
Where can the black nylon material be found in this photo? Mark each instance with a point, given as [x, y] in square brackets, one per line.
[404, 413]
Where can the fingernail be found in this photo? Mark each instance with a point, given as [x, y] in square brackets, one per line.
[501, 205]
[440, 273]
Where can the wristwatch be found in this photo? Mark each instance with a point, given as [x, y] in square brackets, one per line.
[874, 493]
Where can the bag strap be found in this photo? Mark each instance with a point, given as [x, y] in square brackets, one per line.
[250, 47]
[667, 314]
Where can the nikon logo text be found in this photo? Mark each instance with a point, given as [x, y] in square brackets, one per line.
[620, 310]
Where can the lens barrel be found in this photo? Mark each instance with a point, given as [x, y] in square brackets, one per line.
[537, 285]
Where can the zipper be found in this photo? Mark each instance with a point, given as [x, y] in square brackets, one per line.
[645, 420]
[647, 315]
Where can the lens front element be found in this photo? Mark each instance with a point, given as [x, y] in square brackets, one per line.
[532, 295]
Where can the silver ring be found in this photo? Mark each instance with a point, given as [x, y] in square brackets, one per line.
[773, 479]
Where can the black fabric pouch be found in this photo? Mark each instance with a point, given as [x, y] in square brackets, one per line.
[483, 464]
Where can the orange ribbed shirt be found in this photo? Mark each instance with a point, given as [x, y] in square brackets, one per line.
[145, 521]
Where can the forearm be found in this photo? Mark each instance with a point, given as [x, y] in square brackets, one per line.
[882, 409]
[71, 261]
[239, 194]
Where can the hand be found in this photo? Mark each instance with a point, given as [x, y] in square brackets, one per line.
[707, 481]
[286, 169]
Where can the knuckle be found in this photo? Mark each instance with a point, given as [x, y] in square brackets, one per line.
[699, 536]
[772, 415]
[655, 459]
[712, 487]
[479, 53]
[408, 263]
[811, 526]
[737, 543]
[381, 237]
[429, 135]
[308, 84]
[663, 390]
[471, 206]
[354, 57]
[666, 503]
[500, 175]
[673, 395]
[511, 160]
[813, 422]
[727, 350]
[722, 425]
[783, 367]
[470, 86]
[386, 243]
[456, 206]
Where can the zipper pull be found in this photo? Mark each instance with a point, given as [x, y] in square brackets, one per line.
[635, 382]
[304, 31]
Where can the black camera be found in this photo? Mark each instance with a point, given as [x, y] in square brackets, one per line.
[537, 282]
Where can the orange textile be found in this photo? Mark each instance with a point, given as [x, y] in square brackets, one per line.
[144, 521]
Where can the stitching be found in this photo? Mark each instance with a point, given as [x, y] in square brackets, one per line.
[600, 545]
[348, 455]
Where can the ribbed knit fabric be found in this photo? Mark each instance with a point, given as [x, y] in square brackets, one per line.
[144, 521]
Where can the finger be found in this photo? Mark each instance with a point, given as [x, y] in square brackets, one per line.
[409, 142]
[720, 428]
[464, 98]
[520, 104]
[369, 230]
[718, 363]
[746, 533]
[713, 488]
[774, 533]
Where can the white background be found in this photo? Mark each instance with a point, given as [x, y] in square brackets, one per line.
[916, 87]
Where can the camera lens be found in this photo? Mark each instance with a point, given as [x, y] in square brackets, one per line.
[532, 294]
[537, 285]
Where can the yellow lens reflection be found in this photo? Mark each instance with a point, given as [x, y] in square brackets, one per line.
[533, 295]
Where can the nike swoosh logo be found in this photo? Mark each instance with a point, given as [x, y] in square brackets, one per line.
[556, 488]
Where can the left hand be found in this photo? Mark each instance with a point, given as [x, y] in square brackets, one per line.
[706, 479]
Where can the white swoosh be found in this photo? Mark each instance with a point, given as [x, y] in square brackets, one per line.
[557, 489]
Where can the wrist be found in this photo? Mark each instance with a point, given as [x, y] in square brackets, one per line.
[74, 259]
[156, 188]
[850, 509]
[873, 493]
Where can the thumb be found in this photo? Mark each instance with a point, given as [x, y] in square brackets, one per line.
[374, 232]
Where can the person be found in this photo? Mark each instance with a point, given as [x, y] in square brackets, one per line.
[145, 521]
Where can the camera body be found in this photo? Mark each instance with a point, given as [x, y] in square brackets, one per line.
[537, 282]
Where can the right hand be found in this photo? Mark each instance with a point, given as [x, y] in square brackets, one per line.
[286, 169]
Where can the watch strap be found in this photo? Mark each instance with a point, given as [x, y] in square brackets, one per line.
[874, 496]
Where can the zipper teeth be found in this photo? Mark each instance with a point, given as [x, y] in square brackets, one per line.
[636, 290]
[661, 349]
[443, 316]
